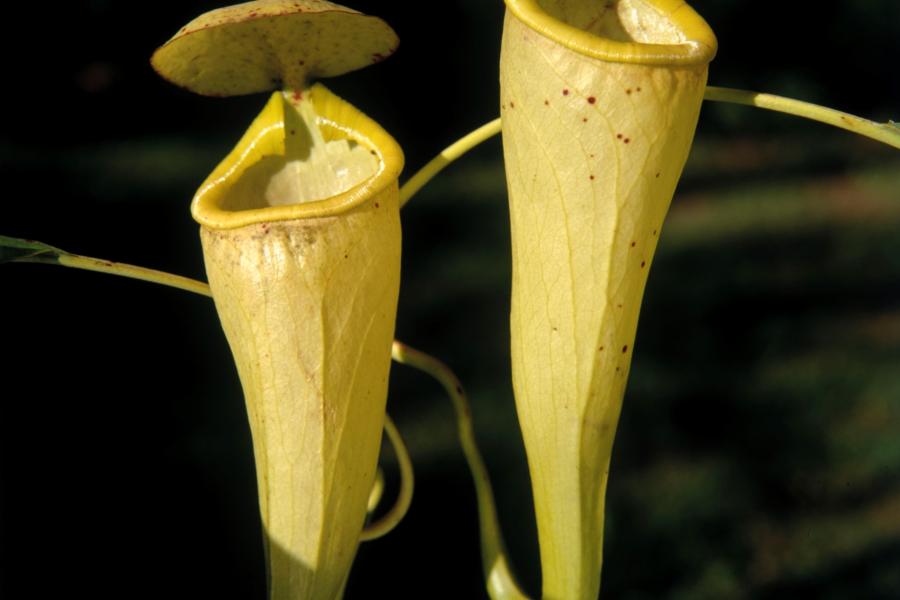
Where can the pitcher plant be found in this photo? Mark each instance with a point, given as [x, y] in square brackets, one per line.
[300, 231]
[599, 102]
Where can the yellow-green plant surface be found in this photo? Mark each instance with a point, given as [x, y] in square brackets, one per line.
[599, 106]
[301, 239]
[306, 291]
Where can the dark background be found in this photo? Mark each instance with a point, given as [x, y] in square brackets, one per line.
[759, 448]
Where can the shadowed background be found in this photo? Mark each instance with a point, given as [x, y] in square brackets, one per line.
[759, 448]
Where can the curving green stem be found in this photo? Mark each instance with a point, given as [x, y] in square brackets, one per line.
[501, 584]
[30, 251]
[447, 156]
[393, 517]
[887, 133]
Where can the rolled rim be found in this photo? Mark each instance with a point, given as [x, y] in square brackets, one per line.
[698, 48]
[334, 113]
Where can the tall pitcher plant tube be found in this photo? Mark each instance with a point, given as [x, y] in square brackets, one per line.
[305, 273]
[599, 103]
[300, 228]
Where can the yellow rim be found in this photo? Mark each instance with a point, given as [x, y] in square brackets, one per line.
[338, 119]
[699, 48]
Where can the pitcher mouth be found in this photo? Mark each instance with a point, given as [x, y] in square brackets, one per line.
[240, 191]
[651, 32]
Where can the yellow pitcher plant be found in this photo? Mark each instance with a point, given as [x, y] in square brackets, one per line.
[301, 238]
[599, 102]
[307, 296]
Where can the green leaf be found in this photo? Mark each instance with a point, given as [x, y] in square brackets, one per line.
[19, 250]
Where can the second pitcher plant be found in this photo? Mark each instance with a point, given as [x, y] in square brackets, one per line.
[599, 105]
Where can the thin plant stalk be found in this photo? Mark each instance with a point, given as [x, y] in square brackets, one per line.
[886, 133]
[501, 584]
[447, 156]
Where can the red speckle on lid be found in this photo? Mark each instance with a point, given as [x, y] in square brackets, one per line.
[565, 92]
[297, 95]
[619, 136]
[591, 100]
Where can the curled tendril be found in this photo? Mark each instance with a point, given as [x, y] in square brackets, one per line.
[393, 517]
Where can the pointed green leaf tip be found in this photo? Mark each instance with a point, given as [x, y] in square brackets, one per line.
[19, 250]
[271, 44]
